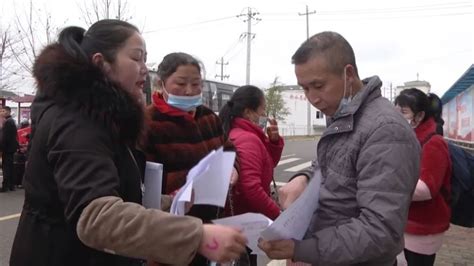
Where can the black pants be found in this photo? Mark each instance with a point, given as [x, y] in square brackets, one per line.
[7, 168]
[416, 259]
[19, 162]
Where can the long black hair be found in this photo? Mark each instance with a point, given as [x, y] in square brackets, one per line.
[105, 36]
[245, 97]
[418, 101]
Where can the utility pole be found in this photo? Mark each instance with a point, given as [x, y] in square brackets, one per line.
[391, 93]
[308, 107]
[251, 15]
[222, 76]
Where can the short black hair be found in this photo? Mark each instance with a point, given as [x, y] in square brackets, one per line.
[418, 101]
[7, 108]
[335, 49]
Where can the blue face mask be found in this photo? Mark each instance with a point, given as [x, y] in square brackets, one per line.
[184, 103]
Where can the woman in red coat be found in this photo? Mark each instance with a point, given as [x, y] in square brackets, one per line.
[429, 213]
[244, 120]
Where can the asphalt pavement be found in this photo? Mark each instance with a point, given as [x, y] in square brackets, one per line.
[457, 250]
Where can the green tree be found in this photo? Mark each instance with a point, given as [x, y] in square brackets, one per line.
[275, 105]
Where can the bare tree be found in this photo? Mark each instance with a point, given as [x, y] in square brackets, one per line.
[95, 10]
[35, 30]
[9, 70]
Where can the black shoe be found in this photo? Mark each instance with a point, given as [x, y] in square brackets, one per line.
[12, 189]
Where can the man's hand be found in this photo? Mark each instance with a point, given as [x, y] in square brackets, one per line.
[278, 249]
[292, 190]
[272, 130]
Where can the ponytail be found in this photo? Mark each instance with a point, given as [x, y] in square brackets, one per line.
[71, 38]
[245, 97]
[436, 109]
[225, 114]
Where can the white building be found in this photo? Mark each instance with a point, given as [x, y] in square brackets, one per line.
[296, 122]
[422, 85]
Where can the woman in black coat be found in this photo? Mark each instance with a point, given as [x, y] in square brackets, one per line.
[83, 179]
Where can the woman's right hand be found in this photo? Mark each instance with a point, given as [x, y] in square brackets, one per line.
[222, 243]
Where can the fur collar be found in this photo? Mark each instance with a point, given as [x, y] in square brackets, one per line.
[69, 81]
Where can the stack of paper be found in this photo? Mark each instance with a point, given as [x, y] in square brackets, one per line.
[209, 182]
[291, 224]
[152, 186]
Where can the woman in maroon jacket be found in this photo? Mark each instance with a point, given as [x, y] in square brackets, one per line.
[429, 213]
[244, 120]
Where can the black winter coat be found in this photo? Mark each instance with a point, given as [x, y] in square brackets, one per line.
[82, 126]
[9, 140]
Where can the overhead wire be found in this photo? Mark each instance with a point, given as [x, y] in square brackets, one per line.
[190, 24]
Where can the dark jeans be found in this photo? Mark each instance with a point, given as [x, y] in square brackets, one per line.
[7, 168]
[416, 259]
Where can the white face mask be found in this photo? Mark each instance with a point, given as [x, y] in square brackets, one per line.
[262, 121]
[345, 100]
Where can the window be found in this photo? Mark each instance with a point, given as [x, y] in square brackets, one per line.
[319, 115]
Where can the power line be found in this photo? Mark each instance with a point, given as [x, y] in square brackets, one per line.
[190, 24]
[398, 9]
[235, 54]
[233, 45]
[385, 17]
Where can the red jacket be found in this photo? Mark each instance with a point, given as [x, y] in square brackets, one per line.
[432, 216]
[23, 135]
[258, 157]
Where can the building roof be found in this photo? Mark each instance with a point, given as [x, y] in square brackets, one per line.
[27, 98]
[415, 83]
[7, 94]
[462, 84]
[290, 88]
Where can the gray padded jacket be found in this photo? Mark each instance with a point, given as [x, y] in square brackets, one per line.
[369, 159]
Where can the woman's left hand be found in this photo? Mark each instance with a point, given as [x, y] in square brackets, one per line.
[272, 130]
[234, 177]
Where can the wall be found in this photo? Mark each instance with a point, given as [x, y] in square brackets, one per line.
[459, 117]
[296, 122]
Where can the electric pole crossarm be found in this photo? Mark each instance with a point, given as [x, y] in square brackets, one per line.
[251, 15]
[221, 62]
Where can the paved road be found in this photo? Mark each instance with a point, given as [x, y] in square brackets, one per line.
[458, 249]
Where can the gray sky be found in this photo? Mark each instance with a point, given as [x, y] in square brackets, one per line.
[392, 39]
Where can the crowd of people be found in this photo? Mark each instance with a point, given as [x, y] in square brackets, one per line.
[385, 181]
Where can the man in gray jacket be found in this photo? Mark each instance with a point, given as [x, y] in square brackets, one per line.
[369, 160]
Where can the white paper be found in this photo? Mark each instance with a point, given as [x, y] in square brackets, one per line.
[212, 187]
[208, 180]
[251, 224]
[294, 221]
[152, 185]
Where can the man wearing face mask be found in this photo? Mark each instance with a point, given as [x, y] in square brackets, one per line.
[368, 157]
[181, 131]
